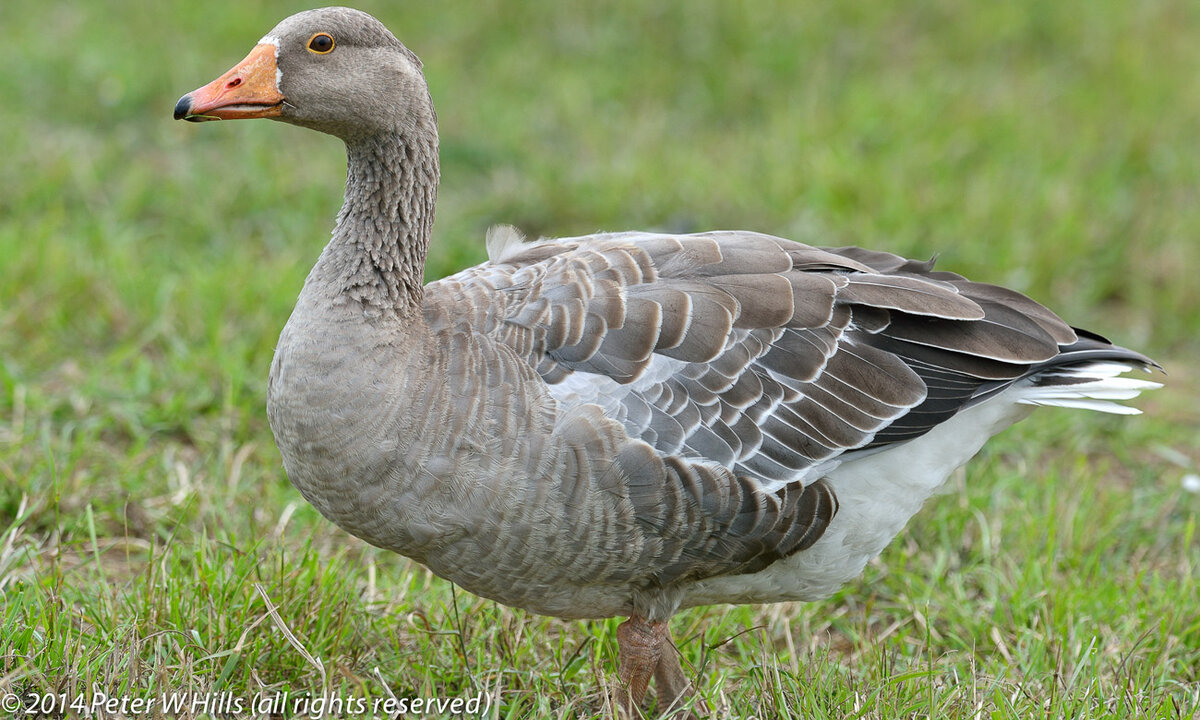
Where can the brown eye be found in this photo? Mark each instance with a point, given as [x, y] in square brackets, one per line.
[321, 43]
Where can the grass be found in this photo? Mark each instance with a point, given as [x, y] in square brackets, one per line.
[150, 542]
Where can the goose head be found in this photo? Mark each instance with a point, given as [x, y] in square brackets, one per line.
[335, 70]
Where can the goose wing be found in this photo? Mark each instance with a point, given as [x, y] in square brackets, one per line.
[740, 368]
[767, 356]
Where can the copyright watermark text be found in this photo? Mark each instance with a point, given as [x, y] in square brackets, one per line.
[226, 704]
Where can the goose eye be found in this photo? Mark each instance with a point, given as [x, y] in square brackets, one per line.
[321, 43]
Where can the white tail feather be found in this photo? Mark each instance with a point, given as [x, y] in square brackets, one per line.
[1084, 404]
[1096, 386]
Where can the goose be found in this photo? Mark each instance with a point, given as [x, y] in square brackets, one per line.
[622, 424]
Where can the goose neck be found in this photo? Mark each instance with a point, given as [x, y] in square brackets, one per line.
[383, 230]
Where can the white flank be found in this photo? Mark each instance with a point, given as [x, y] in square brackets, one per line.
[879, 493]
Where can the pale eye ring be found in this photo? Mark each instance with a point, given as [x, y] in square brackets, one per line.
[321, 43]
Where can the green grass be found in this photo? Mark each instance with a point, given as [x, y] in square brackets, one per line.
[150, 542]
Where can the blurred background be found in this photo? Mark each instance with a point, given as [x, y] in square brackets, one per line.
[147, 265]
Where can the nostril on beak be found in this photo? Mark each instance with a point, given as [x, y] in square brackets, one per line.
[233, 83]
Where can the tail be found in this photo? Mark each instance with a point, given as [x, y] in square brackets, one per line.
[1088, 375]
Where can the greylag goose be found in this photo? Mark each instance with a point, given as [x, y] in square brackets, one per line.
[621, 424]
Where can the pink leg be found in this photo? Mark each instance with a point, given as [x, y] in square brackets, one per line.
[645, 650]
[674, 690]
[639, 648]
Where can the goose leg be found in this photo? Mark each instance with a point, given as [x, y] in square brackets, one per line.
[673, 688]
[645, 650]
[639, 648]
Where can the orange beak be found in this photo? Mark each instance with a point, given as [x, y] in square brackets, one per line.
[248, 90]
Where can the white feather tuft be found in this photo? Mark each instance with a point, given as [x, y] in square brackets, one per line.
[502, 240]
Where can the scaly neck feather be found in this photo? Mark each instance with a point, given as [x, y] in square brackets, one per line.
[383, 230]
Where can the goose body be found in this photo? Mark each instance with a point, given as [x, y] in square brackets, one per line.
[627, 423]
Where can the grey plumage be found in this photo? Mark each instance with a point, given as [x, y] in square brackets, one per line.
[622, 423]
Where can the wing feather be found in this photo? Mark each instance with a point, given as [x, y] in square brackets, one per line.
[727, 372]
